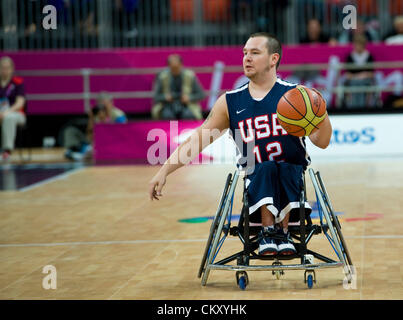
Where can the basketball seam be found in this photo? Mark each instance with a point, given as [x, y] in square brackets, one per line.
[303, 116]
[306, 108]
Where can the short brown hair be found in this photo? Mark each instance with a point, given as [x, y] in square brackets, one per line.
[273, 44]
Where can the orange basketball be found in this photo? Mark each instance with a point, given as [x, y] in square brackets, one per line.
[300, 111]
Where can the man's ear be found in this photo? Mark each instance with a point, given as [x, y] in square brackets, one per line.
[275, 57]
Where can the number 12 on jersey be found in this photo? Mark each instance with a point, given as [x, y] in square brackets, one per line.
[273, 150]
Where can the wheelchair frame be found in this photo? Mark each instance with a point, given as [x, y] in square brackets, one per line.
[303, 233]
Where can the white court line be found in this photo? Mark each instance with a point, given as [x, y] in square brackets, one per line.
[46, 181]
[86, 243]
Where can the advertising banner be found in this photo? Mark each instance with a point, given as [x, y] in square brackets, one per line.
[153, 141]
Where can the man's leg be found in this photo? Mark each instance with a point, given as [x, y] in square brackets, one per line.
[156, 110]
[195, 110]
[9, 129]
[168, 113]
[285, 246]
[73, 138]
[267, 217]
[267, 244]
[284, 222]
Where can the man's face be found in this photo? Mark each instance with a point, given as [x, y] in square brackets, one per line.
[6, 69]
[102, 116]
[359, 47]
[175, 65]
[107, 103]
[314, 29]
[399, 27]
[256, 58]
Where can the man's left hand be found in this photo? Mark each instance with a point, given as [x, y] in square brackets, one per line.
[185, 99]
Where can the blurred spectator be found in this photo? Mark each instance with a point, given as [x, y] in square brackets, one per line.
[126, 10]
[79, 144]
[357, 77]
[265, 14]
[32, 8]
[12, 104]
[368, 31]
[397, 36]
[177, 92]
[314, 33]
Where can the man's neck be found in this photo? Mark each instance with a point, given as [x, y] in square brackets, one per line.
[4, 81]
[259, 88]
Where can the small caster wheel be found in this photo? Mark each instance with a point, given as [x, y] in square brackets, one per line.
[242, 283]
[309, 278]
[309, 281]
[277, 273]
[242, 279]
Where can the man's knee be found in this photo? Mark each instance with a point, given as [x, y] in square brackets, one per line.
[194, 110]
[13, 118]
[156, 110]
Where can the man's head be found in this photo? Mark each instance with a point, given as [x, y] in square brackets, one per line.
[398, 24]
[6, 67]
[313, 29]
[175, 64]
[105, 99]
[262, 52]
[359, 43]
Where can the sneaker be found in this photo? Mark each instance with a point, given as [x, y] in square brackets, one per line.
[285, 244]
[72, 155]
[267, 244]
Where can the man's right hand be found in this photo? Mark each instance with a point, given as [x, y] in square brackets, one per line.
[155, 186]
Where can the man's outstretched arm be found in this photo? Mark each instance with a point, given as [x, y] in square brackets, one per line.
[212, 128]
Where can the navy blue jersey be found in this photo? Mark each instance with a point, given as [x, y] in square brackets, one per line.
[256, 130]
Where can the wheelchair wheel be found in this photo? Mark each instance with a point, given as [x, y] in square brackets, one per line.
[309, 278]
[242, 279]
[219, 232]
[309, 281]
[335, 222]
[214, 226]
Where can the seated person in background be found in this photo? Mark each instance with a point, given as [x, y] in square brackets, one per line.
[314, 33]
[12, 103]
[364, 76]
[397, 36]
[79, 145]
[367, 30]
[177, 92]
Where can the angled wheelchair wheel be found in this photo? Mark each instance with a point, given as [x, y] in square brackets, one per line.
[218, 231]
[336, 237]
[214, 225]
[335, 222]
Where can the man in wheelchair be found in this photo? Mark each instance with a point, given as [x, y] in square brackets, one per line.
[249, 112]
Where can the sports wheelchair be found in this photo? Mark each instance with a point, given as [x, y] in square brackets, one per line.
[302, 234]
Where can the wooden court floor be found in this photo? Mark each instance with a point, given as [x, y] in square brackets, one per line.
[106, 240]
